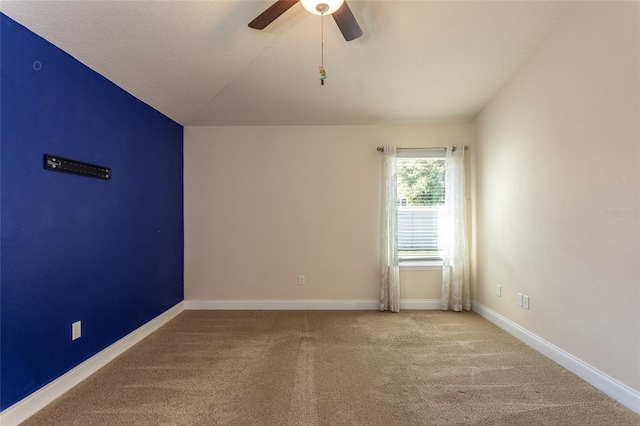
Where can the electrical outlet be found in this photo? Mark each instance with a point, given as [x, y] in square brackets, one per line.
[301, 280]
[76, 330]
[499, 290]
[525, 302]
[519, 299]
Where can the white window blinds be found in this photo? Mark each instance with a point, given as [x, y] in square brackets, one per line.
[420, 202]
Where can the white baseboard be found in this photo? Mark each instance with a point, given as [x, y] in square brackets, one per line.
[281, 305]
[421, 304]
[610, 386]
[27, 407]
[305, 305]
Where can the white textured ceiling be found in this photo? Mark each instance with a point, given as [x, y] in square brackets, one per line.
[200, 64]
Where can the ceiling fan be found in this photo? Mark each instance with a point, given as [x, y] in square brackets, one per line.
[338, 8]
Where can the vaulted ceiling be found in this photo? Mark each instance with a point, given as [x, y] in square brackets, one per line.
[200, 64]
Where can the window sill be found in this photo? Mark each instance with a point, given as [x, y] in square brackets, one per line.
[421, 266]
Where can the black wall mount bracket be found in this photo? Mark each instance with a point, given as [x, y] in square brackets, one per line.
[60, 164]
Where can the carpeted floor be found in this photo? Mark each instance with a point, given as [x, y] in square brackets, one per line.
[332, 368]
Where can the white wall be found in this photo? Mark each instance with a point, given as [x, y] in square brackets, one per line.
[266, 204]
[558, 150]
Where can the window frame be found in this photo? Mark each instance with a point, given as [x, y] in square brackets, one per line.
[430, 264]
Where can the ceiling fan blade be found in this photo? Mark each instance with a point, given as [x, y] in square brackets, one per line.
[347, 22]
[270, 15]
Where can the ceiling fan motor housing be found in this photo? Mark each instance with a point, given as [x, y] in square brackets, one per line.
[337, 8]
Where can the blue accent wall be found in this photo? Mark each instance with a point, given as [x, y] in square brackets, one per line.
[107, 252]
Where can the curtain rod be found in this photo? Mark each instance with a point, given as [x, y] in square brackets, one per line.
[439, 148]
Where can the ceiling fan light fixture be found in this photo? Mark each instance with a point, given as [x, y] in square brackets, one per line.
[322, 7]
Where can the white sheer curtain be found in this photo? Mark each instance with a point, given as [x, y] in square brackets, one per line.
[389, 269]
[455, 256]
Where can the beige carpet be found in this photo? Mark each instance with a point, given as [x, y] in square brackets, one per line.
[332, 368]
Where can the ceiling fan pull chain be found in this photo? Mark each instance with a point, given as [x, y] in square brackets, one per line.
[323, 73]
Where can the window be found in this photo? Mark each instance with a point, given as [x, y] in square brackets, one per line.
[420, 203]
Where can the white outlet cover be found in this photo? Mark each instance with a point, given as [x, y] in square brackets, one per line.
[498, 290]
[519, 299]
[525, 302]
[76, 330]
[300, 279]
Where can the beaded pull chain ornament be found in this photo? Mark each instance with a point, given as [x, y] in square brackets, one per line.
[323, 73]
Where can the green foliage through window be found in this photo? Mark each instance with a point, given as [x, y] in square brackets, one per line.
[421, 181]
